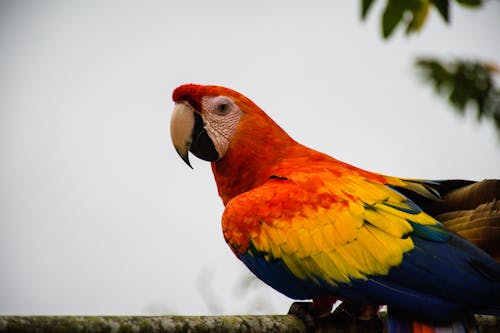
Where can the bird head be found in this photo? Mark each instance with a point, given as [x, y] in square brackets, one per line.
[224, 127]
[204, 120]
[207, 120]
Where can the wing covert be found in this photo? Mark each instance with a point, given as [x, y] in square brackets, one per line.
[323, 228]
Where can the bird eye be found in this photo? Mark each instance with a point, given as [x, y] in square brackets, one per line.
[223, 108]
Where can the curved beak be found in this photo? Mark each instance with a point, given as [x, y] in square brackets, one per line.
[188, 134]
[181, 128]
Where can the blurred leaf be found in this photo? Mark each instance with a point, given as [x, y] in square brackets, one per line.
[443, 6]
[365, 7]
[419, 11]
[412, 13]
[465, 83]
[393, 14]
[470, 3]
[462, 82]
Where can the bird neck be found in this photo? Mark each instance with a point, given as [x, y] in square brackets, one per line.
[254, 152]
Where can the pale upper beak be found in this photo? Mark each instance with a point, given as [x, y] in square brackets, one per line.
[188, 133]
[181, 129]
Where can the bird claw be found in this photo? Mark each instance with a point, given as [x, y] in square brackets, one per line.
[347, 317]
[305, 312]
[355, 318]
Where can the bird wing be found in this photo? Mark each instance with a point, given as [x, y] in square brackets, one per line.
[471, 209]
[360, 239]
[325, 228]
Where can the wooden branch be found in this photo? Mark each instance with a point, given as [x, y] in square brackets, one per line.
[173, 324]
[151, 324]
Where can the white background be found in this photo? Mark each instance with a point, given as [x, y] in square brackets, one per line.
[98, 215]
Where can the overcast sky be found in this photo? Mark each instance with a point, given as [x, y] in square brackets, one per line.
[98, 215]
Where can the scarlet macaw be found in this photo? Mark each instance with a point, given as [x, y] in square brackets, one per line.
[313, 227]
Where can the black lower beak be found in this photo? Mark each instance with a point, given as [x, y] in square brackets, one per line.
[188, 133]
[202, 145]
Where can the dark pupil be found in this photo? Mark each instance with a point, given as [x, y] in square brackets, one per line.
[222, 107]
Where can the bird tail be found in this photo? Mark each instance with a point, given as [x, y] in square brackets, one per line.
[400, 323]
[471, 209]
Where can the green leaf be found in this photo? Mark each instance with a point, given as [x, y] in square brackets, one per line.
[435, 72]
[443, 6]
[465, 83]
[366, 5]
[419, 10]
[393, 14]
[470, 3]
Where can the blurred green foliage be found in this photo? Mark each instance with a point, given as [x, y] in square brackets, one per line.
[462, 82]
[412, 13]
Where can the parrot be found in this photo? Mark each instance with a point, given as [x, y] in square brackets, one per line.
[316, 228]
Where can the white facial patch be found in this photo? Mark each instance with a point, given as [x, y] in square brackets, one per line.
[221, 116]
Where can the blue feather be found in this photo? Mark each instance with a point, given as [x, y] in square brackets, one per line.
[435, 233]
[277, 275]
[429, 282]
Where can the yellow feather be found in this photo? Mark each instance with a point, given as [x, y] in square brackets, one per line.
[345, 228]
[333, 244]
[421, 217]
[318, 241]
[274, 235]
[338, 269]
[275, 250]
[392, 248]
[329, 233]
[304, 242]
[330, 272]
[390, 223]
[295, 266]
[353, 257]
[291, 246]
